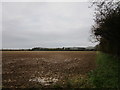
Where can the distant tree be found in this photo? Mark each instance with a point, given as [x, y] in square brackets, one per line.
[107, 25]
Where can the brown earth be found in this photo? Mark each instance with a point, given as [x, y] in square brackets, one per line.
[28, 69]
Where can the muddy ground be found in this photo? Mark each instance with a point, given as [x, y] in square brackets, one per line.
[35, 69]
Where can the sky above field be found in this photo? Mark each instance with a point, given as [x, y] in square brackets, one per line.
[46, 24]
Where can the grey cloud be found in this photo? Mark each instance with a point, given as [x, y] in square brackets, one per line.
[26, 25]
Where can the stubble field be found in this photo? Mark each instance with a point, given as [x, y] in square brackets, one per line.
[36, 69]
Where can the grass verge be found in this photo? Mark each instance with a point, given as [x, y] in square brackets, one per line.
[106, 74]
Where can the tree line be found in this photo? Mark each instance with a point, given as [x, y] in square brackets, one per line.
[54, 49]
[106, 29]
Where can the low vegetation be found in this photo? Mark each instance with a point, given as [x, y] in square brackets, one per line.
[106, 74]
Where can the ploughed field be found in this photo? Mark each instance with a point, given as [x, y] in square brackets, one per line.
[35, 69]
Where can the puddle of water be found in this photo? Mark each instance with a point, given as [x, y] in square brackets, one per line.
[44, 80]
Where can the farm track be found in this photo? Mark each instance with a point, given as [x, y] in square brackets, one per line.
[28, 69]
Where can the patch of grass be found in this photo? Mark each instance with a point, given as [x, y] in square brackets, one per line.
[106, 73]
[80, 81]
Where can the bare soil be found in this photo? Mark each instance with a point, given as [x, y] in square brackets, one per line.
[35, 69]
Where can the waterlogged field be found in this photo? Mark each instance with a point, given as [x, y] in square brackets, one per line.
[36, 69]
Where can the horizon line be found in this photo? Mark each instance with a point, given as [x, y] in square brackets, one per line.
[48, 47]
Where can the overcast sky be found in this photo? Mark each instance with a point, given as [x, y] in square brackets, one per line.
[46, 24]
